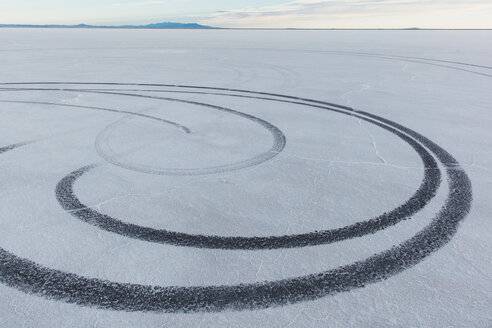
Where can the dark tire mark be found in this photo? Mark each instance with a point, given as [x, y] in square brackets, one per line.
[179, 126]
[13, 146]
[427, 190]
[32, 278]
[278, 145]
[170, 86]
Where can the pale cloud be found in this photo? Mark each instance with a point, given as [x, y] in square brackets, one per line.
[256, 13]
[360, 14]
[141, 3]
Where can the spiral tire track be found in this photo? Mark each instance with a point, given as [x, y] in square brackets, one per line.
[427, 190]
[278, 145]
[33, 278]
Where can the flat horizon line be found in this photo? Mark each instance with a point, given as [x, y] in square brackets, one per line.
[143, 27]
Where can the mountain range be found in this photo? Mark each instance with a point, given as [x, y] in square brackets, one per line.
[155, 25]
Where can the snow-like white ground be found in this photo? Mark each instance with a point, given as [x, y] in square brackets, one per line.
[228, 163]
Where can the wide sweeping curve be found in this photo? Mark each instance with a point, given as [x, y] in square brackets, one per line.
[426, 191]
[33, 278]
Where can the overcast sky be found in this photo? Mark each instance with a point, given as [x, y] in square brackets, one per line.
[255, 13]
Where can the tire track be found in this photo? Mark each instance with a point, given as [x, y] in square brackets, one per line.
[33, 278]
[278, 145]
[427, 190]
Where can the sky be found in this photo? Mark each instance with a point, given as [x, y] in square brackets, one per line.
[254, 13]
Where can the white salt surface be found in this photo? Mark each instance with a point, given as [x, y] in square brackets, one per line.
[335, 170]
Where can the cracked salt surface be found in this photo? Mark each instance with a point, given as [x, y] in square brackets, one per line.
[334, 170]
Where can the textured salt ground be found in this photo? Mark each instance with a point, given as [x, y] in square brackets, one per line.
[377, 153]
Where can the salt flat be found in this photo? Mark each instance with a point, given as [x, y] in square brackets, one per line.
[240, 178]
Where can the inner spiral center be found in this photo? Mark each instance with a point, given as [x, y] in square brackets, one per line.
[217, 140]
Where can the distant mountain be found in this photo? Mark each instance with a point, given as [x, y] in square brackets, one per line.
[156, 26]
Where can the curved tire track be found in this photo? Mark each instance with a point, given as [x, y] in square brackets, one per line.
[427, 190]
[33, 278]
[278, 145]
